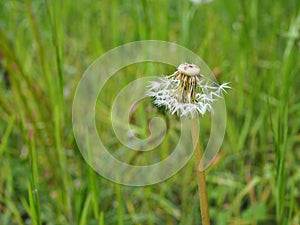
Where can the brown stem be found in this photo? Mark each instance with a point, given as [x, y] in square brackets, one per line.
[204, 206]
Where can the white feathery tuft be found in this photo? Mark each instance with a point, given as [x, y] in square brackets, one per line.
[164, 93]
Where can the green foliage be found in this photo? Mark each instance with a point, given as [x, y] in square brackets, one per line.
[45, 46]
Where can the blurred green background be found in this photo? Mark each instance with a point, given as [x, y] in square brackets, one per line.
[45, 47]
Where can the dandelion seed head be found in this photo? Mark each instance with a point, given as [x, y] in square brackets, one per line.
[186, 93]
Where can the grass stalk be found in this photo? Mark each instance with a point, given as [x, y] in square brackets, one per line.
[63, 164]
[92, 182]
[33, 186]
[58, 58]
[120, 204]
[41, 53]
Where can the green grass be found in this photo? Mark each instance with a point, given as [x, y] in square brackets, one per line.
[47, 45]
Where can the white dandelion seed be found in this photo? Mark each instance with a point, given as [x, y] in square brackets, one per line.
[201, 1]
[185, 92]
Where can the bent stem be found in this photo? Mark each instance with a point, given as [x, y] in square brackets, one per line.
[204, 206]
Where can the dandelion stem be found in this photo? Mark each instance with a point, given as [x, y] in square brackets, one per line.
[203, 198]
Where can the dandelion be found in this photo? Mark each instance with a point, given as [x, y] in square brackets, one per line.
[186, 92]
